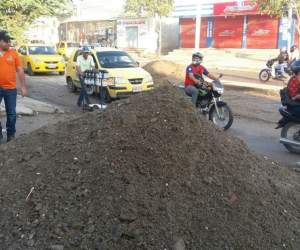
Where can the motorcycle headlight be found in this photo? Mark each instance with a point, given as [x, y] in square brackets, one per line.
[220, 90]
[149, 78]
[36, 60]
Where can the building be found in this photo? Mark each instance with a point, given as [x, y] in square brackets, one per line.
[233, 24]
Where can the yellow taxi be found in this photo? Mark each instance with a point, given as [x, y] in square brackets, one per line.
[65, 48]
[41, 58]
[124, 77]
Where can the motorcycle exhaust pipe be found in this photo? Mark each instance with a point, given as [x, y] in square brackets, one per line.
[289, 142]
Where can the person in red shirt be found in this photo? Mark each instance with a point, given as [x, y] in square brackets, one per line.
[10, 62]
[190, 83]
[294, 86]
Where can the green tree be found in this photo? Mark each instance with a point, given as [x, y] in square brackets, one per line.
[279, 8]
[17, 15]
[156, 9]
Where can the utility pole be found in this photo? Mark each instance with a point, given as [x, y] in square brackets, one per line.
[198, 25]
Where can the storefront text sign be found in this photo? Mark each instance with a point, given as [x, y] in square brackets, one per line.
[235, 8]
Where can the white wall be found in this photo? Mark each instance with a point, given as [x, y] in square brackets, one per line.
[169, 36]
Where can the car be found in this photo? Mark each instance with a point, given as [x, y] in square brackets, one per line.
[124, 78]
[41, 58]
[65, 48]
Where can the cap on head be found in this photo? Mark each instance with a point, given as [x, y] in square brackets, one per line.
[4, 36]
[283, 49]
[85, 49]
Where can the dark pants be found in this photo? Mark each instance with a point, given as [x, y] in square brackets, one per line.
[295, 110]
[83, 93]
[10, 101]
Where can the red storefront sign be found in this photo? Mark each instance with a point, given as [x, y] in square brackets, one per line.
[262, 32]
[188, 32]
[235, 8]
[228, 32]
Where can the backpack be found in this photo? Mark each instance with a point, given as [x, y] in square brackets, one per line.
[286, 100]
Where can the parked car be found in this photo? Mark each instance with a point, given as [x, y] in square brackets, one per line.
[125, 77]
[41, 58]
[65, 48]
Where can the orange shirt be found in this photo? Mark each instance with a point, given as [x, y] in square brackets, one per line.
[8, 63]
[294, 86]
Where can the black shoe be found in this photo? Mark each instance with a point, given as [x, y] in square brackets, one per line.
[79, 105]
[10, 138]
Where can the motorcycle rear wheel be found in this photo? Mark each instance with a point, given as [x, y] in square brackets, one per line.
[226, 117]
[288, 131]
[264, 75]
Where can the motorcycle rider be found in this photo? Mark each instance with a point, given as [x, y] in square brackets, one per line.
[191, 83]
[294, 56]
[294, 87]
[282, 59]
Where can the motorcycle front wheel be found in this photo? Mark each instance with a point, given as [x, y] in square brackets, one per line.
[264, 75]
[291, 131]
[224, 119]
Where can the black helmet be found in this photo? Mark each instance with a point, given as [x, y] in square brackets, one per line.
[198, 54]
[295, 67]
[294, 47]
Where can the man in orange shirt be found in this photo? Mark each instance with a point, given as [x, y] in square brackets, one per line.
[10, 62]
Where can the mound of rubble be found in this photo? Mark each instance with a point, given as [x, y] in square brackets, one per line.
[148, 172]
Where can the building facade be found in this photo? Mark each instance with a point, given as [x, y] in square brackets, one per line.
[234, 25]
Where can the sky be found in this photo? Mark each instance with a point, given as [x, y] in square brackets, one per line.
[111, 8]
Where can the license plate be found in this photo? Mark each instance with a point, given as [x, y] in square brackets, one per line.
[136, 88]
[51, 66]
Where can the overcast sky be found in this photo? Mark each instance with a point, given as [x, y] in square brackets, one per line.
[111, 8]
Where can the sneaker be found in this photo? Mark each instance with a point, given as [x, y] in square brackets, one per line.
[10, 138]
[78, 104]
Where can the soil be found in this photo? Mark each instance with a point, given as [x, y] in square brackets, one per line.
[148, 172]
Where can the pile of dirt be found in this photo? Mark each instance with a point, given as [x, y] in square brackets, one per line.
[165, 72]
[148, 172]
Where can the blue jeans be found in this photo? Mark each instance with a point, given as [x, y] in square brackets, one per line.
[83, 93]
[10, 100]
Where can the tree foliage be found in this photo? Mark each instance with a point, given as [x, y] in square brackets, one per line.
[152, 9]
[17, 15]
[279, 8]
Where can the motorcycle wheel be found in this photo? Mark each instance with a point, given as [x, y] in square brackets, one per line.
[264, 75]
[226, 117]
[288, 132]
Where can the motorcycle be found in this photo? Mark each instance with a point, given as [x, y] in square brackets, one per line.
[290, 132]
[209, 103]
[265, 74]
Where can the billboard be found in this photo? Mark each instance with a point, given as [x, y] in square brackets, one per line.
[235, 8]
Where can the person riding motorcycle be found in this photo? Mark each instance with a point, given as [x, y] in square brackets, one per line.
[191, 83]
[294, 87]
[294, 56]
[282, 59]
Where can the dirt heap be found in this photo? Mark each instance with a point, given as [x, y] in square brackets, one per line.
[148, 172]
[165, 72]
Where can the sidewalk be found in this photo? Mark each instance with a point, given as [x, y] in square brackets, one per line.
[27, 106]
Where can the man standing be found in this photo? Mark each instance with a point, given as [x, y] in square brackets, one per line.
[10, 62]
[84, 62]
[103, 42]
